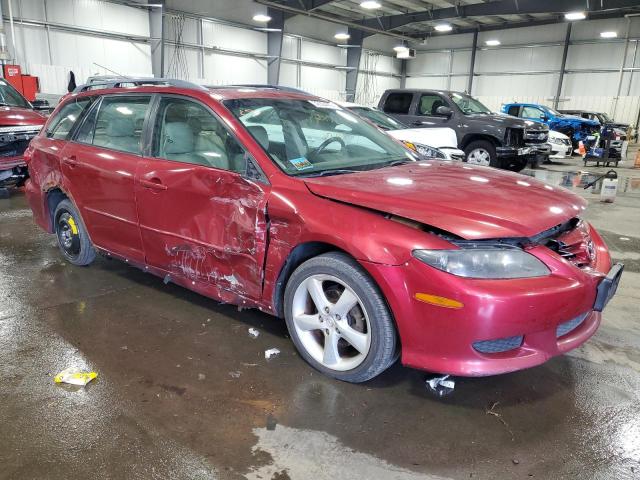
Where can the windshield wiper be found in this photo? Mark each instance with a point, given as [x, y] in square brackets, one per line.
[395, 163]
[324, 173]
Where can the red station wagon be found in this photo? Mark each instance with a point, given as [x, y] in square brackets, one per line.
[286, 202]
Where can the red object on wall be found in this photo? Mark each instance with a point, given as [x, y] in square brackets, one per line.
[30, 86]
[13, 75]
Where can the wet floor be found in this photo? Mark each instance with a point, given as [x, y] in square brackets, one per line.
[184, 392]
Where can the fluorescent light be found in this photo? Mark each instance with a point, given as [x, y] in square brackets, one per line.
[260, 17]
[267, 29]
[401, 48]
[443, 27]
[493, 43]
[342, 36]
[575, 16]
[609, 34]
[370, 4]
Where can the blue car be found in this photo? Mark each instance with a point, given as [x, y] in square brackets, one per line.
[576, 128]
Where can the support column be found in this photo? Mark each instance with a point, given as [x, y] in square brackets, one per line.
[472, 64]
[403, 73]
[563, 65]
[354, 53]
[274, 45]
[621, 73]
[156, 31]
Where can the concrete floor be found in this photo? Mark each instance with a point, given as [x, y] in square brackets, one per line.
[184, 392]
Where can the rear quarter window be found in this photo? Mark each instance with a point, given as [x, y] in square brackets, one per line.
[398, 103]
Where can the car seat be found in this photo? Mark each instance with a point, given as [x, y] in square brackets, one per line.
[178, 143]
[120, 134]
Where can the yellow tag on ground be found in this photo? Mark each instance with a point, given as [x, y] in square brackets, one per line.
[74, 376]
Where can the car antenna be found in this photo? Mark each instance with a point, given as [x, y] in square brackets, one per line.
[112, 71]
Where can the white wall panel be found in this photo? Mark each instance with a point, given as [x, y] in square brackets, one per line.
[28, 9]
[289, 74]
[181, 63]
[515, 85]
[318, 52]
[427, 82]
[227, 69]
[327, 83]
[234, 38]
[289, 47]
[435, 62]
[516, 36]
[377, 84]
[518, 59]
[32, 43]
[189, 30]
[595, 56]
[99, 15]
[461, 61]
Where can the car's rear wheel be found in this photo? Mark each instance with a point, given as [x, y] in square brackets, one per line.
[481, 152]
[338, 319]
[73, 238]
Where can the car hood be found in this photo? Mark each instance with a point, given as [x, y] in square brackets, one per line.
[511, 121]
[573, 118]
[471, 202]
[16, 116]
[433, 137]
[558, 135]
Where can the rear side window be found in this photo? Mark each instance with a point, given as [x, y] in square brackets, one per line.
[398, 103]
[118, 124]
[513, 110]
[532, 112]
[63, 121]
[429, 104]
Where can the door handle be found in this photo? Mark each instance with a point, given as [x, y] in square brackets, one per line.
[154, 184]
[71, 161]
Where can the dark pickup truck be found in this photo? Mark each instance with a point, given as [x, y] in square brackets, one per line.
[487, 138]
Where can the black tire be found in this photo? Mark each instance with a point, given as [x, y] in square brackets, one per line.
[73, 239]
[482, 145]
[383, 350]
[515, 164]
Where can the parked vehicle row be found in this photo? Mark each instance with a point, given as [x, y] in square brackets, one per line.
[289, 203]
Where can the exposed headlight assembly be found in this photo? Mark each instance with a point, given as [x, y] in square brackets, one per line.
[484, 262]
[425, 150]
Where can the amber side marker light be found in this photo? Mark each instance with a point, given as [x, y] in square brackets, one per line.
[439, 301]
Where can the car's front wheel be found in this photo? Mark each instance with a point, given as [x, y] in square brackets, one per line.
[481, 152]
[73, 238]
[338, 319]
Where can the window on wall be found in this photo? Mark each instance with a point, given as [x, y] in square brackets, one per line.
[63, 121]
[118, 124]
[186, 131]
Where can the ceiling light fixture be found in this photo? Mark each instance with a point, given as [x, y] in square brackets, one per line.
[342, 36]
[443, 27]
[575, 16]
[492, 43]
[609, 34]
[401, 48]
[261, 17]
[370, 5]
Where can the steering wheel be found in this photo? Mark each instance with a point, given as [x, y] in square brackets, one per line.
[318, 150]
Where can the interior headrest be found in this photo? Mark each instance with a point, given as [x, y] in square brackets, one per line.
[260, 134]
[121, 126]
[178, 138]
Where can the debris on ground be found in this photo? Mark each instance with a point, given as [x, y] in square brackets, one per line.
[272, 352]
[271, 422]
[492, 411]
[235, 374]
[253, 332]
[201, 376]
[442, 385]
[74, 376]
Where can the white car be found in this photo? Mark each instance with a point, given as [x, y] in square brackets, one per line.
[423, 139]
[560, 145]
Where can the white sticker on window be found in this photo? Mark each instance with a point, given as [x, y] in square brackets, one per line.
[301, 163]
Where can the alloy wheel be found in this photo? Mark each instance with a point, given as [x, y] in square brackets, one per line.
[479, 156]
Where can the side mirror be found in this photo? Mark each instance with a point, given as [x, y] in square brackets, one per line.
[544, 118]
[444, 111]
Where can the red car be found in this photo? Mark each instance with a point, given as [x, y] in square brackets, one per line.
[19, 123]
[285, 202]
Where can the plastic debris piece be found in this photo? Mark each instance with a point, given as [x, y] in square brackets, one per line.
[167, 279]
[74, 376]
[201, 376]
[253, 333]
[441, 386]
[272, 352]
[235, 374]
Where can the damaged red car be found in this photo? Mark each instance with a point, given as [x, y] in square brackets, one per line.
[286, 202]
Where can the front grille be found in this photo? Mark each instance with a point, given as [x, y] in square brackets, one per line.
[573, 243]
[536, 136]
[571, 325]
[566, 141]
[514, 137]
[13, 149]
[498, 345]
[14, 140]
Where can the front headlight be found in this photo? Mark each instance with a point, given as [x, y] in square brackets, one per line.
[425, 150]
[557, 141]
[483, 262]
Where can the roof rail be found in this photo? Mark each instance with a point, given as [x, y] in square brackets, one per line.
[259, 85]
[125, 82]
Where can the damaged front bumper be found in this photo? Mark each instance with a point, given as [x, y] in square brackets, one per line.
[497, 326]
[14, 141]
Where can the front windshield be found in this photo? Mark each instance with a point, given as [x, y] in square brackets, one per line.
[605, 117]
[380, 119]
[9, 96]
[467, 104]
[553, 112]
[315, 137]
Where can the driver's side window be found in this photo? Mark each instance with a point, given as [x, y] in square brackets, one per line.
[186, 131]
[532, 112]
